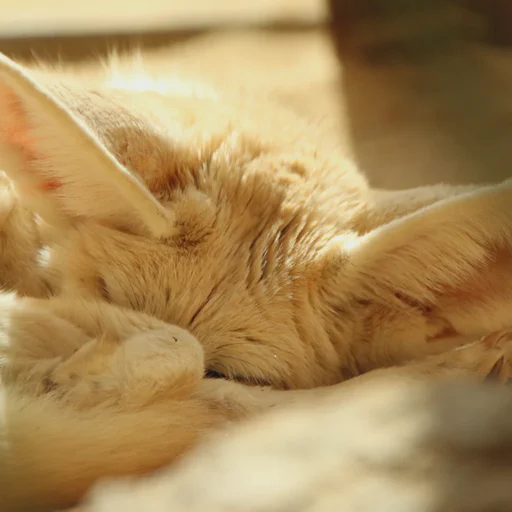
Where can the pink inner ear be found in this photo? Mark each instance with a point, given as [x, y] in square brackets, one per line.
[14, 126]
[16, 132]
[49, 185]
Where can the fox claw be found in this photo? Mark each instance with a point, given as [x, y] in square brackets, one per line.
[495, 372]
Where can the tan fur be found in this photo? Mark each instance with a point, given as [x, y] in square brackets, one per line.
[392, 445]
[228, 235]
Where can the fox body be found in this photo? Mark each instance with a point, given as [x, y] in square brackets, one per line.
[175, 258]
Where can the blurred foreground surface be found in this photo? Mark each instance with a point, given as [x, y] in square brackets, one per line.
[391, 446]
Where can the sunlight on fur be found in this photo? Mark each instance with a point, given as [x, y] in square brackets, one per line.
[129, 73]
[183, 260]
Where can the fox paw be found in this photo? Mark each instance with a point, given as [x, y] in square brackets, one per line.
[167, 363]
[501, 341]
[82, 379]
[490, 358]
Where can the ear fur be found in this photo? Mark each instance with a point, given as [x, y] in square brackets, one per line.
[452, 258]
[60, 167]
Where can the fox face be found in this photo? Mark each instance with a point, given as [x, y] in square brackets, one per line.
[235, 221]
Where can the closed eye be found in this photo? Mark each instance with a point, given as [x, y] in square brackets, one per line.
[214, 374]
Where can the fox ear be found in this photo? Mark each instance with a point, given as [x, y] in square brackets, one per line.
[452, 259]
[60, 168]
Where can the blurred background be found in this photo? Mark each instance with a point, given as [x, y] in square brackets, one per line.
[417, 91]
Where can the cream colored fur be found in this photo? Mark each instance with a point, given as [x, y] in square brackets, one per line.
[154, 233]
[393, 445]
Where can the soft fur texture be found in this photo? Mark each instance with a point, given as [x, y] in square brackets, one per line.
[394, 444]
[159, 234]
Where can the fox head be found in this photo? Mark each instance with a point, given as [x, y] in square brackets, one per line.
[237, 221]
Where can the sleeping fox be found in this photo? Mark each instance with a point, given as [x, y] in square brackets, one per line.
[175, 258]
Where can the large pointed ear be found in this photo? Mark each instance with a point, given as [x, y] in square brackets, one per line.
[452, 259]
[61, 168]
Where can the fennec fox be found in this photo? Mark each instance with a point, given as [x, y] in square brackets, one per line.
[179, 259]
